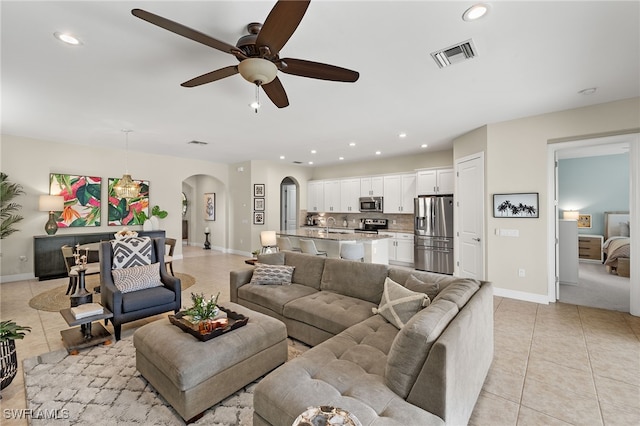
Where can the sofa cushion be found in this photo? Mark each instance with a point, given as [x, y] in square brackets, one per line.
[131, 251]
[399, 304]
[430, 289]
[459, 291]
[328, 311]
[276, 258]
[413, 342]
[401, 275]
[272, 274]
[273, 297]
[137, 277]
[309, 267]
[148, 298]
[356, 279]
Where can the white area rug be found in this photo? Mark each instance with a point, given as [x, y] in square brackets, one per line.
[101, 386]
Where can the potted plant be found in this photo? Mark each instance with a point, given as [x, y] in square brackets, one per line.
[151, 223]
[8, 191]
[9, 332]
[203, 312]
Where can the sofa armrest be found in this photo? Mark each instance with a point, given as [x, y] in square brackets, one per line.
[237, 279]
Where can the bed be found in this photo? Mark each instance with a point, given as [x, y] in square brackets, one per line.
[616, 246]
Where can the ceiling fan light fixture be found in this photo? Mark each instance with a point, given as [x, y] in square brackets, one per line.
[257, 70]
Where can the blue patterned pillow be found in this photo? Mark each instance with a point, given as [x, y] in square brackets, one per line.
[132, 251]
[272, 274]
[137, 277]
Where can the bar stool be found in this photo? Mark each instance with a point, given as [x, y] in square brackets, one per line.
[284, 243]
[309, 247]
[352, 251]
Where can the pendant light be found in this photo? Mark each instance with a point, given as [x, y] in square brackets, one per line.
[126, 188]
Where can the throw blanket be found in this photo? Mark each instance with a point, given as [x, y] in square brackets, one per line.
[616, 248]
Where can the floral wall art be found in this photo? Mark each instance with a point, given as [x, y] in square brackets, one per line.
[134, 212]
[81, 199]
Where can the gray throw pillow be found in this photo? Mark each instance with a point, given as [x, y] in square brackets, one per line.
[399, 304]
[414, 284]
[137, 277]
[272, 274]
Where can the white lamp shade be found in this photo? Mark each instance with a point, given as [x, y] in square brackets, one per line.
[51, 203]
[268, 238]
[571, 214]
[257, 69]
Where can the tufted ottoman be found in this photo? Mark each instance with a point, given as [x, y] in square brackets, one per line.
[193, 375]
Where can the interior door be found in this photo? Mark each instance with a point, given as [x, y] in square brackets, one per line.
[469, 216]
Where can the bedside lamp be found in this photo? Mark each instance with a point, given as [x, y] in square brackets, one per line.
[51, 204]
[571, 214]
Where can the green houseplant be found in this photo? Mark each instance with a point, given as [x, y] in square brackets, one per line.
[9, 332]
[9, 209]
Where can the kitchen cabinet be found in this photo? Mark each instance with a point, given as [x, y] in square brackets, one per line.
[332, 196]
[350, 195]
[400, 247]
[315, 196]
[399, 192]
[437, 181]
[372, 186]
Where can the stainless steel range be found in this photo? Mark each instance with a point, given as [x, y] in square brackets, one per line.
[371, 226]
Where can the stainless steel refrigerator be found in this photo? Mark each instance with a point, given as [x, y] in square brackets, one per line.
[433, 241]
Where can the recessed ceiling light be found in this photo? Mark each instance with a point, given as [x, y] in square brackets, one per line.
[352, 144]
[282, 157]
[424, 145]
[402, 135]
[378, 152]
[589, 91]
[476, 11]
[340, 158]
[310, 162]
[313, 151]
[67, 38]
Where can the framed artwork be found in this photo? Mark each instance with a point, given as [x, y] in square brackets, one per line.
[584, 221]
[258, 189]
[210, 206]
[258, 204]
[258, 218]
[81, 199]
[523, 205]
[132, 212]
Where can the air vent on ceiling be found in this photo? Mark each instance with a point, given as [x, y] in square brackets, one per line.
[197, 143]
[454, 54]
[297, 162]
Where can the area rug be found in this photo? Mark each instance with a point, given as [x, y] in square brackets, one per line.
[101, 386]
[55, 299]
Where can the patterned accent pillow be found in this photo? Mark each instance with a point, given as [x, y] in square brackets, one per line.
[272, 274]
[399, 304]
[137, 277]
[132, 251]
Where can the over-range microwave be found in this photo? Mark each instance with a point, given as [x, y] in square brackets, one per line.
[371, 204]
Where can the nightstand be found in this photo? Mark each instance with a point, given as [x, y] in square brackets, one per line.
[590, 247]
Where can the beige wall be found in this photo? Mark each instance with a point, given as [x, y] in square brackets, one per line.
[29, 162]
[516, 161]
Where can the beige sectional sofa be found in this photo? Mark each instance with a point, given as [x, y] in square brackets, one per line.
[429, 372]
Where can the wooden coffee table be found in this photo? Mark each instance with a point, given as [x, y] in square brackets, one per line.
[87, 334]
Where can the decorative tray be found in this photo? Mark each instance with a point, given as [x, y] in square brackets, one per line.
[236, 320]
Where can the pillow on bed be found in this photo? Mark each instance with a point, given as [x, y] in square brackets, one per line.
[624, 229]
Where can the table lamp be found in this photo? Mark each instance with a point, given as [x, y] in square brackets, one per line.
[571, 214]
[51, 204]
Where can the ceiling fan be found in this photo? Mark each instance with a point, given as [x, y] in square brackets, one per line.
[258, 52]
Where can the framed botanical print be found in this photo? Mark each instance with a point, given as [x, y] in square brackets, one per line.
[258, 204]
[81, 199]
[128, 212]
[523, 205]
[210, 206]
[258, 218]
[258, 190]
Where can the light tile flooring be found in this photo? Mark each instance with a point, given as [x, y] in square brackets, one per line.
[554, 364]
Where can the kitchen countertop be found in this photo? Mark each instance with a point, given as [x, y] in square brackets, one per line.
[320, 234]
[319, 228]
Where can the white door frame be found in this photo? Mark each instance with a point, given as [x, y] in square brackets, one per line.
[634, 209]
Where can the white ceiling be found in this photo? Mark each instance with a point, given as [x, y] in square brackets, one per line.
[533, 58]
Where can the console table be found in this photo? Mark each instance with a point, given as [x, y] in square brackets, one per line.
[47, 256]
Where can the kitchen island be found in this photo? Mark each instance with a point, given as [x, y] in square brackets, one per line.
[376, 246]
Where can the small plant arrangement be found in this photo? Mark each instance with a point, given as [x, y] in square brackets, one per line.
[202, 309]
[9, 330]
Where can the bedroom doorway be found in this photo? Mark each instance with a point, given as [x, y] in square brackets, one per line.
[593, 285]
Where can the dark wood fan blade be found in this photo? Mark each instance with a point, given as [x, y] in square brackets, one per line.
[282, 21]
[187, 32]
[275, 92]
[317, 70]
[211, 76]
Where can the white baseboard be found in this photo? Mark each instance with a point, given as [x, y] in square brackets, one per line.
[543, 299]
[17, 277]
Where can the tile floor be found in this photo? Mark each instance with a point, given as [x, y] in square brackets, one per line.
[556, 364]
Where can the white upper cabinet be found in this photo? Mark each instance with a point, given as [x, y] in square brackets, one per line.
[399, 192]
[332, 196]
[349, 195]
[440, 181]
[315, 196]
[371, 186]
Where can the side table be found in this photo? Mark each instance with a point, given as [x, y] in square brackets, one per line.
[87, 334]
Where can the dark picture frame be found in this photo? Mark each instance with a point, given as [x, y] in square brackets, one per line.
[258, 218]
[258, 190]
[516, 205]
[258, 204]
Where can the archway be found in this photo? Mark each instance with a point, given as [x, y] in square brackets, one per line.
[199, 189]
[289, 204]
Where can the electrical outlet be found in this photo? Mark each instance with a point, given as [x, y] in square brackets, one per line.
[521, 272]
[394, 221]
